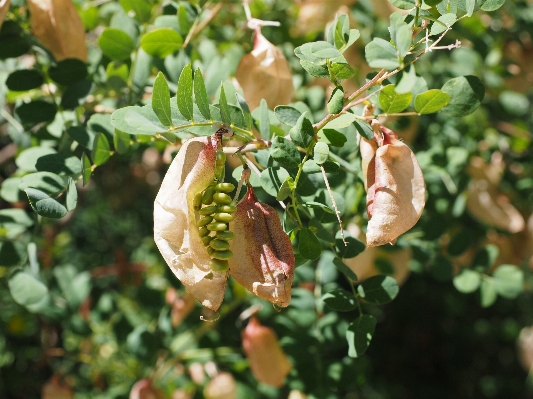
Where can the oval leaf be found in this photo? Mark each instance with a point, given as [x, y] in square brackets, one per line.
[340, 300]
[359, 334]
[378, 289]
[431, 101]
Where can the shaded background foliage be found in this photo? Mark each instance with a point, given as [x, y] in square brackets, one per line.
[106, 323]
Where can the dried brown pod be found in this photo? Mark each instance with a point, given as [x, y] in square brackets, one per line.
[143, 389]
[485, 202]
[223, 386]
[175, 231]
[58, 26]
[265, 73]
[268, 362]
[395, 186]
[263, 259]
[4, 8]
[56, 389]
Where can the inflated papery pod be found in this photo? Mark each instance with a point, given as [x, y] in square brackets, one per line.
[485, 201]
[176, 232]
[268, 362]
[263, 258]
[396, 192]
[223, 386]
[143, 389]
[265, 73]
[4, 8]
[55, 389]
[58, 26]
[315, 14]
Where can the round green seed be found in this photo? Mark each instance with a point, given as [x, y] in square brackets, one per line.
[208, 210]
[219, 265]
[204, 221]
[225, 187]
[197, 202]
[225, 235]
[203, 231]
[210, 250]
[217, 226]
[223, 217]
[226, 208]
[223, 255]
[219, 245]
[207, 196]
[221, 198]
[207, 240]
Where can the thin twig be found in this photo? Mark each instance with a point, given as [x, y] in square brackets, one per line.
[337, 213]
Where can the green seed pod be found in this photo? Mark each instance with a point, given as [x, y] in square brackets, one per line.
[226, 235]
[219, 265]
[219, 245]
[223, 217]
[197, 202]
[226, 208]
[206, 240]
[225, 187]
[207, 196]
[210, 250]
[204, 221]
[217, 226]
[220, 158]
[221, 198]
[222, 255]
[208, 210]
[203, 231]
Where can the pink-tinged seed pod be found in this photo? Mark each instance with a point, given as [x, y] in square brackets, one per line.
[263, 259]
[175, 231]
[143, 389]
[396, 192]
[265, 73]
[268, 362]
[58, 26]
[223, 386]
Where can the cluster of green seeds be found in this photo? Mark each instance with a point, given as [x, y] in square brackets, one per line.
[215, 210]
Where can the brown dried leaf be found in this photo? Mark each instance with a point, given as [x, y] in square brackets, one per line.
[58, 26]
[143, 389]
[263, 259]
[265, 73]
[486, 203]
[175, 231]
[223, 386]
[399, 194]
[4, 8]
[268, 362]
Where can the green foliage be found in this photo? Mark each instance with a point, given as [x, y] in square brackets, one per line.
[84, 146]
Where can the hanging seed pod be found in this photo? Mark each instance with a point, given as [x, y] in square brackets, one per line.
[263, 259]
[265, 73]
[4, 8]
[396, 192]
[58, 26]
[56, 389]
[223, 386]
[268, 362]
[144, 389]
[176, 232]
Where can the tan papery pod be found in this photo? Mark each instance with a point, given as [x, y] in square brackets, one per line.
[55, 389]
[175, 231]
[268, 362]
[524, 344]
[486, 203]
[396, 194]
[265, 73]
[315, 14]
[143, 389]
[263, 259]
[221, 387]
[58, 26]
[294, 394]
[4, 8]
